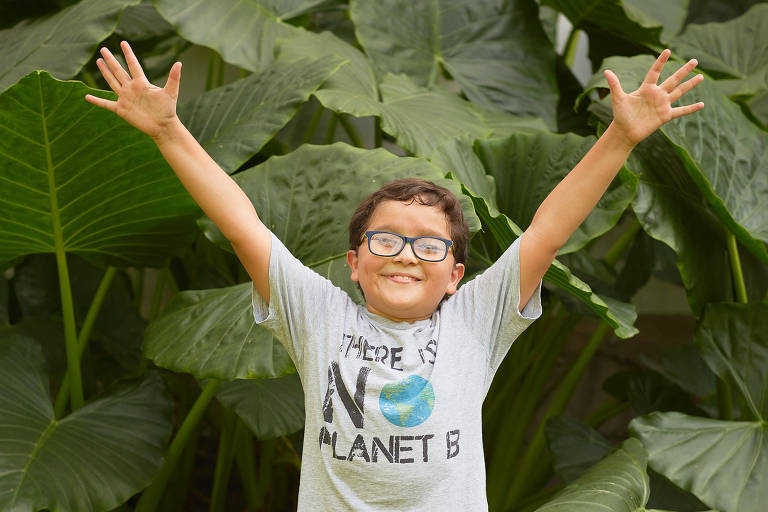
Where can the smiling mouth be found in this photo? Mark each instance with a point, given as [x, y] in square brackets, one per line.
[402, 278]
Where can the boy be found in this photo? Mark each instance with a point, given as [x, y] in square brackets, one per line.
[394, 389]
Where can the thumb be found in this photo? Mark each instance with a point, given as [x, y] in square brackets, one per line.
[174, 78]
[613, 84]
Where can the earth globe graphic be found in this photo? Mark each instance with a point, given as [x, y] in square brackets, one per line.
[407, 402]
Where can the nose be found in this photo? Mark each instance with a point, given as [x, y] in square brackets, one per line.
[406, 255]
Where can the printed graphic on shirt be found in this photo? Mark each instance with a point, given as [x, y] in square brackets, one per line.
[407, 403]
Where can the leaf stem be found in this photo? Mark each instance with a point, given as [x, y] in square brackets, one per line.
[65, 288]
[350, 130]
[227, 437]
[330, 132]
[157, 294]
[312, 126]
[85, 334]
[150, 498]
[571, 45]
[623, 242]
[246, 465]
[738, 275]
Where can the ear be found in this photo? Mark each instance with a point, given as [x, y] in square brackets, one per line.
[352, 262]
[456, 274]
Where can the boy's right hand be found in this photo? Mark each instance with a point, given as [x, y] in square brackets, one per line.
[147, 107]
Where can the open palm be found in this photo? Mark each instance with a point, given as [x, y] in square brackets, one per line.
[643, 111]
[145, 106]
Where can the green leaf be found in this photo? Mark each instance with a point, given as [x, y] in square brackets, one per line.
[352, 89]
[723, 463]
[726, 165]
[618, 483]
[142, 21]
[497, 52]
[92, 460]
[235, 121]
[77, 177]
[423, 120]
[305, 198]
[619, 19]
[733, 340]
[575, 446]
[243, 33]
[211, 333]
[270, 407]
[528, 166]
[619, 315]
[737, 48]
[60, 43]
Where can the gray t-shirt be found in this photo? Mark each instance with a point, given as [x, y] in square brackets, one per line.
[393, 409]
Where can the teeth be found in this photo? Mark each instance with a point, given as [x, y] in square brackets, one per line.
[403, 278]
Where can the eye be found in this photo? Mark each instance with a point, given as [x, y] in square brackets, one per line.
[432, 247]
[386, 240]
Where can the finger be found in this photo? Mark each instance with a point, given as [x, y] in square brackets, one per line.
[685, 87]
[133, 63]
[653, 74]
[687, 109]
[117, 70]
[174, 78]
[108, 76]
[670, 83]
[613, 83]
[101, 102]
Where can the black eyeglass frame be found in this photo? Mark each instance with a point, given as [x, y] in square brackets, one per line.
[409, 240]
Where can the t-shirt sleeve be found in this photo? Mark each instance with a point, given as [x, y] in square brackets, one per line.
[489, 304]
[299, 300]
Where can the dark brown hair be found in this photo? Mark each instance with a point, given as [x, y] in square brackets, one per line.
[419, 191]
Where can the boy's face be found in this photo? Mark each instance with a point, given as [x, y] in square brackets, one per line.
[403, 287]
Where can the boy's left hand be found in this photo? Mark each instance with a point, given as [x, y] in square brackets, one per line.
[638, 114]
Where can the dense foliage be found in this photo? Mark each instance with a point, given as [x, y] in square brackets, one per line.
[100, 389]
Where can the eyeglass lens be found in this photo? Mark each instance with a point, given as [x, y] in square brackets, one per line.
[430, 249]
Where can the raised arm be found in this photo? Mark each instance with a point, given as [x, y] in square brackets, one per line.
[152, 110]
[636, 115]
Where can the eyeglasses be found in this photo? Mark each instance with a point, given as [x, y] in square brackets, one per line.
[426, 248]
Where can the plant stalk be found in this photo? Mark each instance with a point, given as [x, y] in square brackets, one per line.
[246, 464]
[623, 243]
[330, 132]
[82, 339]
[350, 130]
[605, 411]
[535, 451]
[224, 459]
[571, 45]
[157, 294]
[150, 498]
[738, 275]
[312, 127]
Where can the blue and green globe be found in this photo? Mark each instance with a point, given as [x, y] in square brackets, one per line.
[408, 402]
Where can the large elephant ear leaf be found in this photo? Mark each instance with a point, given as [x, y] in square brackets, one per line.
[76, 178]
[528, 166]
[727, 165]
[733, 340]
[629, 20]
[234, 122]
[724, 463]
[306, 199]
[270, 407]
[61, 43]
[737, 48]
[351, 90]
[619, 315]
[618, 483]
[95, 458]
[244, 33]
[496, 51]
